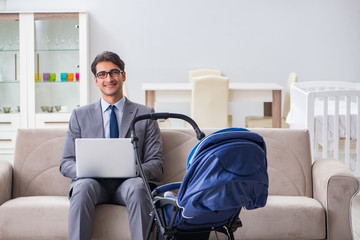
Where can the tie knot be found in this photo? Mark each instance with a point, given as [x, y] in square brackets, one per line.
[112, 107]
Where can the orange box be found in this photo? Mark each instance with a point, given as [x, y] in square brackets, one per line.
[70, 77]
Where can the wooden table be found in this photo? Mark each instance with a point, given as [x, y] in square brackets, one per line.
[238, 92]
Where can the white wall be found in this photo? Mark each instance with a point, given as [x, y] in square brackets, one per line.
[249, 40]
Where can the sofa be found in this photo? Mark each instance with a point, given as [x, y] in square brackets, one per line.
[306, 200]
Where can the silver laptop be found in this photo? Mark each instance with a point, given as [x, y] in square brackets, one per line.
[105, 158]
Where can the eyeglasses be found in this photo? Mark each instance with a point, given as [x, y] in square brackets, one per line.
[112, 73]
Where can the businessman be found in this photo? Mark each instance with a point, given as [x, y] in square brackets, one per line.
[93, 121]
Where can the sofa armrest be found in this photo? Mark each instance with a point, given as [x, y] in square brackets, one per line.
[334, 186]
[5, 181]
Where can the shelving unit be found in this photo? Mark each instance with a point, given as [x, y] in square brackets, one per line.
[31, 44]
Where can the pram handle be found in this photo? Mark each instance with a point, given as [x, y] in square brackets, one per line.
[134, 139]
[165, 115]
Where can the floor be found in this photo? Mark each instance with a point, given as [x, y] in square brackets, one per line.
[356, 217]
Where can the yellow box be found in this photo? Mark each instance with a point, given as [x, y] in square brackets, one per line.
[38, 77]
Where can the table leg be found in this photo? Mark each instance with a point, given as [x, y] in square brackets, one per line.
[268, 109]
[276, 109]
[150, 98]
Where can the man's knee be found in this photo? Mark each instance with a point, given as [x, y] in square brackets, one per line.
[86, 188]
[136, 189]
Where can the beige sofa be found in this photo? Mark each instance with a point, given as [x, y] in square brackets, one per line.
[306, 201]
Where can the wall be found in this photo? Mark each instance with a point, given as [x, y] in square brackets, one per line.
[249, 40]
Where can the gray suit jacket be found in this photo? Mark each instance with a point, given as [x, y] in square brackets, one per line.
[87, 122]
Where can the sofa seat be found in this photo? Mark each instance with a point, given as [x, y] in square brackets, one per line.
[296, 217]
[51, 214]
[17, 217]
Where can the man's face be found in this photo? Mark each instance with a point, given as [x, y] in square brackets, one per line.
[111, 86]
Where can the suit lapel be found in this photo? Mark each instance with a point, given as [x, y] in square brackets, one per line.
[128, 115]
[96, 120]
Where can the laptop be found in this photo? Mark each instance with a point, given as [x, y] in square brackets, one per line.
[105, 158]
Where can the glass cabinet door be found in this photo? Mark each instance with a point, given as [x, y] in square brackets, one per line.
[56, 62]
[9, 64]
[43, 71]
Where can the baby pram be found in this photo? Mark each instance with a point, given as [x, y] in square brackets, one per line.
[226, 171]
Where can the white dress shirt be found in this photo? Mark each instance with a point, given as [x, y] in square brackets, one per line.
[119, 109]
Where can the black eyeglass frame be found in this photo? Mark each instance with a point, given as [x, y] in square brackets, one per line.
[111, 72]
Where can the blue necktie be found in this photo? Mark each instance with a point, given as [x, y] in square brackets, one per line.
[114, 129]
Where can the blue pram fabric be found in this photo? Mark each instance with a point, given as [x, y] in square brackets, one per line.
[226, 171]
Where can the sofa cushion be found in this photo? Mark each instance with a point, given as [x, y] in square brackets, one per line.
[36, 163]
[34, 218]
[289, 161]
[177, 145]
[46, 217]
[284, 217]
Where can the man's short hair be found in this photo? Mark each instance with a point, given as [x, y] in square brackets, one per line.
[107, 56]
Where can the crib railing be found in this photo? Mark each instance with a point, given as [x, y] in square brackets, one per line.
[322, 103]
[348, 97]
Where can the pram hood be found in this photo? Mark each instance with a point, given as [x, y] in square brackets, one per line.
[226, 170]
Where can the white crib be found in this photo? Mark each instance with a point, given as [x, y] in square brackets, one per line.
[329, 110]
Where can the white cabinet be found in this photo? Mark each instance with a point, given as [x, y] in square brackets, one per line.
[43, 71]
